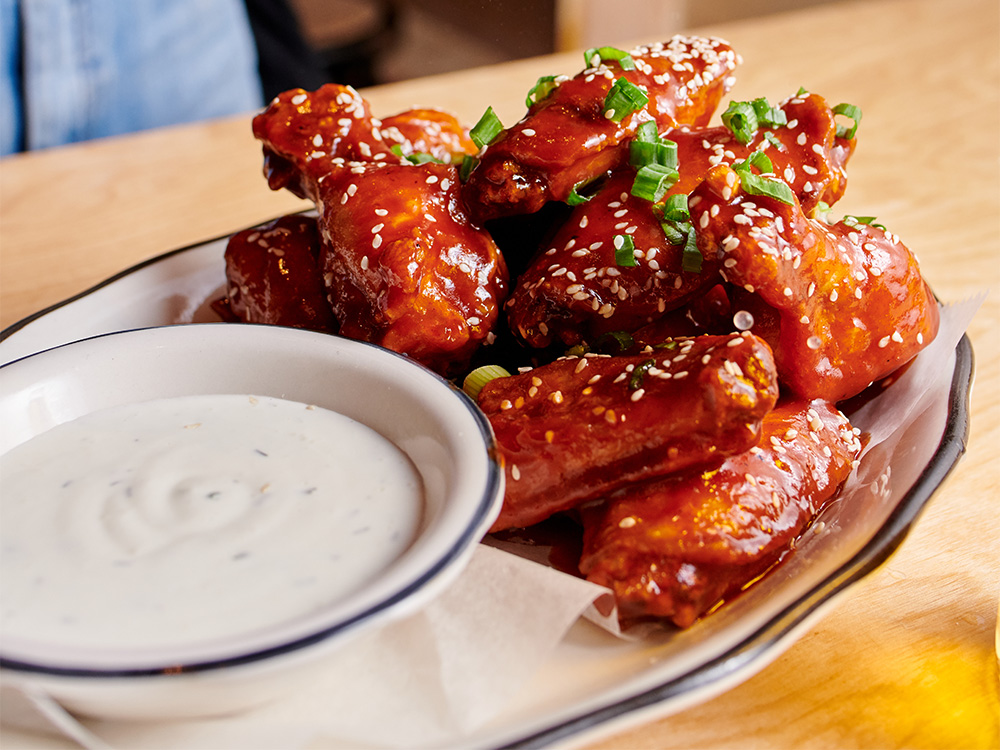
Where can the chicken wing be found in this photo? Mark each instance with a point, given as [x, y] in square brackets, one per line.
[404, 266]
[305, 133]
[579, 428]
[273, 277]
[841, 305]
[675, 547]
[577, 133]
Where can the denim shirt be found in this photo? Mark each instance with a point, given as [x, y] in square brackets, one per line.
[80, 69]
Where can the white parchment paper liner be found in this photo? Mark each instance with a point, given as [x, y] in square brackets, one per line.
[437, 676]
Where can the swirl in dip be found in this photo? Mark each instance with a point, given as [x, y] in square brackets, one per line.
[189, 519]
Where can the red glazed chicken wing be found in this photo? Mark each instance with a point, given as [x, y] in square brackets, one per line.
[580, 129]
[579, 428]
[273, 277]
[841, 305]
[404, 267]
[675, 547]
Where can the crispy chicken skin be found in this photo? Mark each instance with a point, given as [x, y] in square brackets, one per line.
[404, 267]
[841, 305]
[273, 277]
[566, 138]
[580, 428]
[675, 547]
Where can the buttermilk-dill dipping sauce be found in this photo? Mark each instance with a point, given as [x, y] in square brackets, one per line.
[188, 519]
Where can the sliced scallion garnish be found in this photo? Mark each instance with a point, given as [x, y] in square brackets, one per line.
[475, 380]
[853, 221]
[768, 115]
[575, 198]
[465, 168]
[772, 139]
[487, 129]
[653, 181]
[691, 259]
[675, 208]
[608, 54]
[854, 113]
[623, 99]
[638, 373]
[762, 184]
[542, 88]
[624, 250]
[741, 119]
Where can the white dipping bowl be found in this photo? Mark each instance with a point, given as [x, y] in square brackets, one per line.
[436, 425]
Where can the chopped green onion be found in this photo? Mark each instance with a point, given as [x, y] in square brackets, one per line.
[417, 157]
[605, 54]
[676, 232]
[853, 221]
[854, 113]
[770, 187]
[802, 91]
[465, 168]
[772, 139]
[822, 212]
[624, 250]
[691, 256]
[768, 115]
[661, 151]
[487, 129]
[638, 373]
[675, 219]
[762, 184]
[647, 132]
[575, 198]
[622, 339]
[653, 181]
[741, 119]
[675, 208]
[760, 160]
[542, 88]
[479, 377]
[623, 99]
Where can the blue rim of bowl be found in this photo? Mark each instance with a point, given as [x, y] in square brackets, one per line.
[469, 537]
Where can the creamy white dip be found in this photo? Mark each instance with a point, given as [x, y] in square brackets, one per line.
[187, 519]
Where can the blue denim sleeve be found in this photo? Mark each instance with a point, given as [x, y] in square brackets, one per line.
[93, 69]
[10, 84]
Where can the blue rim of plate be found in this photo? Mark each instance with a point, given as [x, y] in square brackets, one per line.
[885, 541]
[446, 559]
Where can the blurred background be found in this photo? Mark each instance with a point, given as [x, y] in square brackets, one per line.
[73, 70]
[366, 42]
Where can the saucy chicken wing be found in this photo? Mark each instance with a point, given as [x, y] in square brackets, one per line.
[673, 548]
[579, 428]
[305, 134]
[580, 128]
[580, 288]
[273, 277]
[841, 305]
[404, 267]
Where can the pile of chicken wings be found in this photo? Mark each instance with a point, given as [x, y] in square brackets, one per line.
[677, 315]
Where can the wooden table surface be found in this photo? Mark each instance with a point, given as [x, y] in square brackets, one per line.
[906, 659]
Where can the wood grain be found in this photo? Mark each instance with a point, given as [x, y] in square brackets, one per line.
[907, 659]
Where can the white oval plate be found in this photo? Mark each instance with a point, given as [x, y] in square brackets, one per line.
[594, 683]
